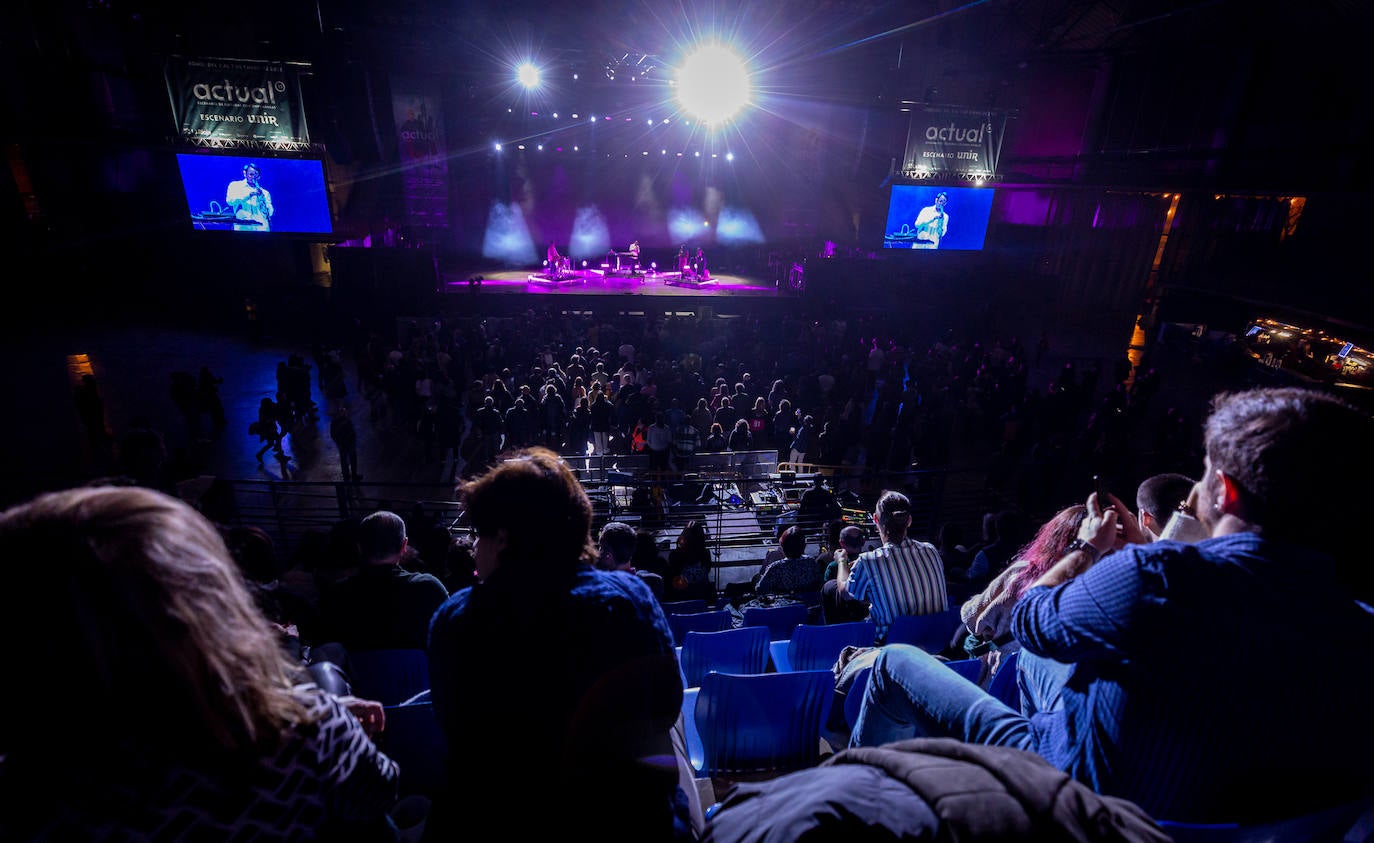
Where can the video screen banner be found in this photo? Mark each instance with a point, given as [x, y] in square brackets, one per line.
[928, 217]
[229, 102]
[263, 195]
[950, 140]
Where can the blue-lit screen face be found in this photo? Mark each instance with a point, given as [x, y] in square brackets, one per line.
[930, 217]
[274, 195]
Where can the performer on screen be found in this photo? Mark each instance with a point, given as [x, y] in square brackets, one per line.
[250, 201]
[931, 223]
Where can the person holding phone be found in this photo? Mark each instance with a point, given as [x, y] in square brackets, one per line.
[250, 201]
[1182, 657]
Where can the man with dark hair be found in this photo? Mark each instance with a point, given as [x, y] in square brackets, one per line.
[1157, 498]
[1134, 693]
[616, 548]
[383, 605]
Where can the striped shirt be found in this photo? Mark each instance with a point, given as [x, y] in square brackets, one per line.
[906, 578]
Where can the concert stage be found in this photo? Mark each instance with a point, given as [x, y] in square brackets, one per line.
[599, 282]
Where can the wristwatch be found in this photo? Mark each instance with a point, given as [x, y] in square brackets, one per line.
[1086, 547]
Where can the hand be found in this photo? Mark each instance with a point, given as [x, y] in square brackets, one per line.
[370, 713]
[1099, 525]
[1128, 530]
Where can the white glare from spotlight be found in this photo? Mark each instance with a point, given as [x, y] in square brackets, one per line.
[714, 84]
[528, 75]
[729, 156]
[498, 147]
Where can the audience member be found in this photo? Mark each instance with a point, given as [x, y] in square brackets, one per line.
[689, 565]
[1152, 706]
[616, 548]
[987, 615]
[902, 577]
[384, 605]
[197, 724]
[992, 558]
[595, 718]
[795, 572]
[1157, 498]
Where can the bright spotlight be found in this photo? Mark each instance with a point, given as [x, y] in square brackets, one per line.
[729, 156]
[528, 75]
[498, 147]
[714, 84]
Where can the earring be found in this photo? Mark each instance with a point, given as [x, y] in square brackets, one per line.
[1216, 507]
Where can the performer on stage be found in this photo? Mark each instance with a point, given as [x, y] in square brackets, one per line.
[555, 260]
[634, 253]
[682, 261]
[699, 265]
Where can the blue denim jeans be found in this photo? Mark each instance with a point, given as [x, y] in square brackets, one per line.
[912, 694]
[1040, 681]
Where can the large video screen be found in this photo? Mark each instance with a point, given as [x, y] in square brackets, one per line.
[255, 194]
[929, 217]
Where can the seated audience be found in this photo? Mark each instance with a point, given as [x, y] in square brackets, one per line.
[1135, 693]
[191, 721]
[552, 676]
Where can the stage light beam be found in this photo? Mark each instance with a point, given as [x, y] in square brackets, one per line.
[713, 84]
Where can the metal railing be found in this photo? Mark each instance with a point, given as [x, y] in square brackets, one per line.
[741, 498]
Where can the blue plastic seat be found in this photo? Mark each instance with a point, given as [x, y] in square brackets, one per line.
[816, 647]
[413, 740]
[734, 650]
[931, 633]
[752, 723]
[712, 620]
[967, 668]
[388, 676]
[1330, 825]
[1003, 685]
[780, 620]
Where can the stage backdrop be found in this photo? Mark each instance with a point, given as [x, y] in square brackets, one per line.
[237, 102]
[420, 148]
[950, 140]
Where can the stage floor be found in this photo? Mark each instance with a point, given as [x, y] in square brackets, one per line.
[590, 282]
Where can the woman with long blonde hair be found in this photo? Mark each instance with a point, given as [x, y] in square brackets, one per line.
[180, 712]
